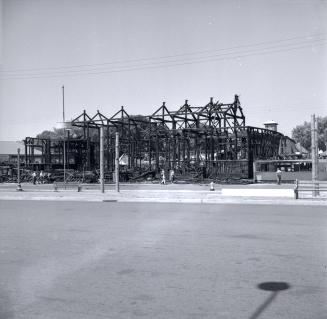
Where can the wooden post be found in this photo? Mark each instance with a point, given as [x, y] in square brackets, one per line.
[101, 159]
[117, 162]
[296, 190]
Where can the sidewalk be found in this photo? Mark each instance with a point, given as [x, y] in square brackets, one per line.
[233, 194]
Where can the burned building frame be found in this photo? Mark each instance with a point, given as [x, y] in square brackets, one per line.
[211, 141]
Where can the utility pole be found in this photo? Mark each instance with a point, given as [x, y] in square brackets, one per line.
[63, 124]
[117, 162]
[314, 152]
[101, 159]
[19, 187]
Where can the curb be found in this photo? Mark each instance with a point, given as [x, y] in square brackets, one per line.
[130, 199]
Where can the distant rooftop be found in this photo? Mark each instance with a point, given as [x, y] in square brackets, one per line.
[270, 123]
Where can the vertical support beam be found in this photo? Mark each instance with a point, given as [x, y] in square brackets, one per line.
[206, 149]
[136, 152]
[235, 144]
[26, 161]
[184, 151]
[196, 149]
[101, 159]
[84, 129]
[32, 153]
[117, 162]
[175, 152]
[188, 151]
[167, 150]
[157, 149]
[68, 149]
[249, 155]
[110, 155]
[150, 151]
[58, 149]
[64, 141]
[129, 144]
[178, 151]
[108, 147]
[19, 187]
[88, 148]
[212, 147]
[132, 159]
[49, 154]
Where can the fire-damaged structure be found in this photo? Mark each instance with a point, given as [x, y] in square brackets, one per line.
[211, 141]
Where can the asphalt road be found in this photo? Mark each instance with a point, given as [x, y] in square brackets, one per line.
[63, 260]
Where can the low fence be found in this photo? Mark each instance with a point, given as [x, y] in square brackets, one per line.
[233, 169]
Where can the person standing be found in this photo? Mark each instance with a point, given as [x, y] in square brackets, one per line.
[279, 176]
[163, 177]
[34, 177]
[41, 177]
[172, 176]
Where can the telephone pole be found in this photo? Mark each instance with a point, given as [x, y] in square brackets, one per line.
[314, 152]
[101, 160]
[63, 123]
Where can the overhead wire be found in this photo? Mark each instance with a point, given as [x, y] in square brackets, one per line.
[307, 38]
[194, 60]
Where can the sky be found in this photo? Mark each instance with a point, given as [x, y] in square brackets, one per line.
[139, 53]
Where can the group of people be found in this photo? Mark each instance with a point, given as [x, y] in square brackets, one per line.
[41, 177]
[172, 176]
[163, 176]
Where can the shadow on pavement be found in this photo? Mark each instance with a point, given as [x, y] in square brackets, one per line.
[275, 288]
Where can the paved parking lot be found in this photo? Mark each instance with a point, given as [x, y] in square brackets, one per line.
[150, 260]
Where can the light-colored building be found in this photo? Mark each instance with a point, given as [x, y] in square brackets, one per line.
[9, 155]
[292, 169]
[271, 125]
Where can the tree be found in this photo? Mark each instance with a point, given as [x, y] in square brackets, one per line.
[75, 132]
[58, 133]
[302, 134]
